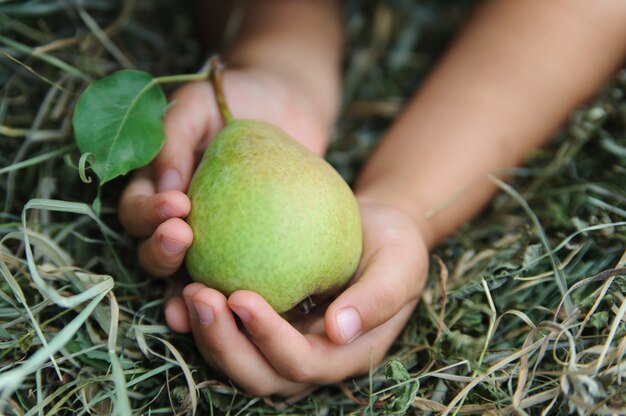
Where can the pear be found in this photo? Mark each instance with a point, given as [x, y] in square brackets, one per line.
[270, 216]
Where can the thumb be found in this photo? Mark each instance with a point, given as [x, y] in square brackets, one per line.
[187, 124]
[393, 277]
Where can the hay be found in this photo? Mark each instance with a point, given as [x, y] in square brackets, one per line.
[524, 309]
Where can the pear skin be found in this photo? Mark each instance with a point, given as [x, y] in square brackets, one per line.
[270, 216]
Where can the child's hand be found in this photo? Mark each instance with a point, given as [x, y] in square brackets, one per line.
[278, 357]
[154, 203]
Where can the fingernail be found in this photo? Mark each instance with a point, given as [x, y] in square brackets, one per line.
[242, 313]
[193, 314]
[172, 246]
[170, 180]
[349, 323]
[205, 312]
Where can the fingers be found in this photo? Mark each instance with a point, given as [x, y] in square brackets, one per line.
[163, 253]
[189, 121]
[141, 210]
[177, 315]
[310, 358]
[272, 357]
[282, 344]
[158, 217]
[225, 347]
[392, 277]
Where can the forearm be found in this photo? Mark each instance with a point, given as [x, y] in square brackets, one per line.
[301, 40]
[503, 88]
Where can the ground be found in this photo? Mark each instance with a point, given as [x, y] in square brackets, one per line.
[82, 329]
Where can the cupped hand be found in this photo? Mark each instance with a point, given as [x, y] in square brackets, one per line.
[274, 356]
[154, 204]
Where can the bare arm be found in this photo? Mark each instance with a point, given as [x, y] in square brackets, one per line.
[505, 86]
[299, 40]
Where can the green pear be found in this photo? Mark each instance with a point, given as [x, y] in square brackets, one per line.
[270, 216]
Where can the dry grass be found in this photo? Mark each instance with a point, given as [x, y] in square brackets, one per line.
[524, 312]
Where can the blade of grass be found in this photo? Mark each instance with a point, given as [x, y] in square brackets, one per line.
[11, 380]
[614, 327]
[32, 71]
[558, 273]
[103, 38]
[36, 159]
[49, 59]
[122, 402]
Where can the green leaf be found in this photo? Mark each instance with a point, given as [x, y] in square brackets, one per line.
[118, 119]
[403, 395]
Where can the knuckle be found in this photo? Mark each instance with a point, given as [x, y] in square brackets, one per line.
[133, 215]
[385, 301]
[191, 290]
[156, 201]
[301, 373]
[126, 209]
[161, 256]
[260, 335]
[154, 262]
[217, 351]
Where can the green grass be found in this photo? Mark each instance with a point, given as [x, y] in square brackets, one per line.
[525, 304]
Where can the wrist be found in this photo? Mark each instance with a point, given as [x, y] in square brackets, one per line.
[298, 42]
[370, 196]
[317, 92]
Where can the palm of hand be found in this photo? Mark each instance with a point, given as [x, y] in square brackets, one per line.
[388, 236]
[288, 357]
[274, 356]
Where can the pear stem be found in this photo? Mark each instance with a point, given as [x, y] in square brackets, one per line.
[216, 68]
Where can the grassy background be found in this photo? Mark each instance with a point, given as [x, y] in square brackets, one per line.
[82, 330]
